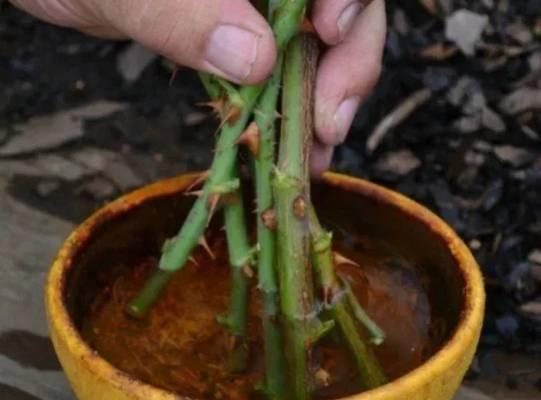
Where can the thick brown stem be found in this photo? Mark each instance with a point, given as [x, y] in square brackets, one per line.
[291, 188]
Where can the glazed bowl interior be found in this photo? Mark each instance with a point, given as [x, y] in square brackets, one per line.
[138, 231]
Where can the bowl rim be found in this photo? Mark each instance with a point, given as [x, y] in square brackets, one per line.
[465, 332]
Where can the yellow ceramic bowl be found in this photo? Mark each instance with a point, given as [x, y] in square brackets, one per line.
[420, 234]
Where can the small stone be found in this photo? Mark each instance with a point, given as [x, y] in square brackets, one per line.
[93, 158]
[466, 393]
[133, 61]
[79, 84]
[488, 4]
[60, 167]
[474, 159]
[491, 120]
[45, 188]
[467, 124]
[400, 22]
[98, 188]
[194, 118]
[493, 64]
[476, 103]
[446, 6]
[521, 100]
[515, 156]
[400, 162]
[535, 256]
[465, 28]
[534, 61]
[519, 32]
[530, 133]
[123, 176]
[482, 146]
[461, 89]
[532, 308]
[467, 94]
[475, 244]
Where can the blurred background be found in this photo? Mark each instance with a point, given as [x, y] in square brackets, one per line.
[455, 123]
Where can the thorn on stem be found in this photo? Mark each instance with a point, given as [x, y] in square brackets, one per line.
[269, 218]
[196, 193]
[250, 138]
[203, 243]
[217, 106]
[232, 115]
[193, 261]
[326, 295]
[225, 112]
[299, 207]
[199, 180]
[232, 342]
[307, 26]
[213, 201]
[340, 259]
[248, 271]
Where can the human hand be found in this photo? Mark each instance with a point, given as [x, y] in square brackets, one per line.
[230, 38]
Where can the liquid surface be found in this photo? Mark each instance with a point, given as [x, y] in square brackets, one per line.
[181, 347]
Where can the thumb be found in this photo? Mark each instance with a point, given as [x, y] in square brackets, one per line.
[225, 37]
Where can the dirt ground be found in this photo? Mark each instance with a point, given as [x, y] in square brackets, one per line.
[83, 120]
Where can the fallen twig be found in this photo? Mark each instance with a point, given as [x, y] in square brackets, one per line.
[396, 117]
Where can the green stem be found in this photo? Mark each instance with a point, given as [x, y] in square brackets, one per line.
[371, 374]
[291, 196]
[241, 256]
[287, 20]
[176, 253]
[273, 6]
[378, 336]
[149, 294]
[212, 87]
[275, 366]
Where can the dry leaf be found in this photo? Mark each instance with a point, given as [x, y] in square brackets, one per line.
[439, 51]
[515, 156]
[521, 100]
[519, 32]
[54, 130]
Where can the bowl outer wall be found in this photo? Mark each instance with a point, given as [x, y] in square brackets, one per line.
[93, 378]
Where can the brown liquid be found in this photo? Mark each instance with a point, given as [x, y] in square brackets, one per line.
[181, 347]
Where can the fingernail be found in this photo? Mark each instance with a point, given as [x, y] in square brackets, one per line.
[232, 51]
[347, 17]
[344, 116]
